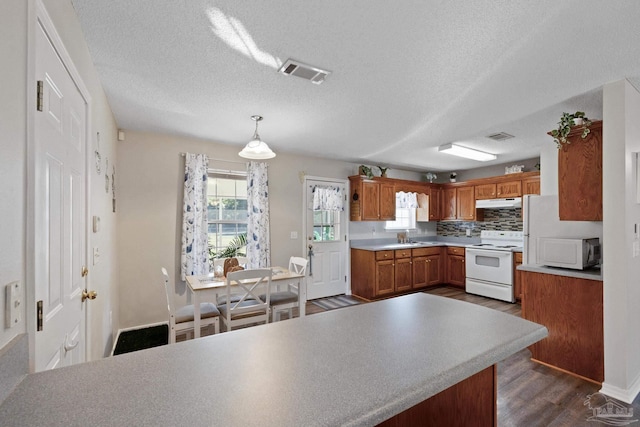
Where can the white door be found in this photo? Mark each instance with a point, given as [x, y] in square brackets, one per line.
[327, 237]
[59, 188]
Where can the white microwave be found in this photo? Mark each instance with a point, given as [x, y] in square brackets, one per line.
[577, 254]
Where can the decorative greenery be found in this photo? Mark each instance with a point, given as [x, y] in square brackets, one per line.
[234, 248]
[564, 127]
[453, 175]
[366, 170]
[431, 176]
[383, 170]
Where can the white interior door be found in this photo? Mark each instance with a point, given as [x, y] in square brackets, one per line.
[327, 236]
[60, 132]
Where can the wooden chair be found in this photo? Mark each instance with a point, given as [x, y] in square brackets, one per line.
[182, 320]
[287, 300]
[248, 308]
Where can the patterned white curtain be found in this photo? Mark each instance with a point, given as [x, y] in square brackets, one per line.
[328, 198]
[258, 239]
[406, 200]
[194, 258]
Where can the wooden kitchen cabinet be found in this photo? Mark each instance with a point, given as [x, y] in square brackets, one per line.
[466, 205]
[572, 310]
[509, 189]
[485, 191]
[580, 175]
[403, 270]
[377, 274]
[449, 204]
[517, 276]
[531, 185]
[372, 200]
[435, 203]
[456, 269]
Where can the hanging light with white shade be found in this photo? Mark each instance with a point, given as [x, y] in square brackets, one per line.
[257, 149]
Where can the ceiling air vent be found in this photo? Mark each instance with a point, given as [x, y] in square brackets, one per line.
[307, 72]
[500, 136]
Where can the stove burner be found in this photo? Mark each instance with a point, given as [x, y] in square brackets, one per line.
[507, 246]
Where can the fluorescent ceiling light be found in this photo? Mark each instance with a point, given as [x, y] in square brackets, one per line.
[467, 153]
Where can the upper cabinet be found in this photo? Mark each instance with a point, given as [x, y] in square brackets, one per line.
[580, 175]
[509, 189]
[531, 185]
[458, 203]
[372, 200]
[435, 203]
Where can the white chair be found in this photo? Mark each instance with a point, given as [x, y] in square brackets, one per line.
[287, 300]
[182, 320]
[241, 304]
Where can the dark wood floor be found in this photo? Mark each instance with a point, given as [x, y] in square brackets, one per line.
[530, 394]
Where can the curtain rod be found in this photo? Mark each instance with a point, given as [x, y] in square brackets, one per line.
[220, 160]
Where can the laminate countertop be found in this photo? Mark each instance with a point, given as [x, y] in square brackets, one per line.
[355, 366]
[590, 274]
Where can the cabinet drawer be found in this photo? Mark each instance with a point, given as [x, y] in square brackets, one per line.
[380, 255]
[455, 250]
[517, 257]
[403, 253]
[426, 251]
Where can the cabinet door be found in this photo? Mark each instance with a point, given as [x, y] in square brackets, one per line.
[370, 203]
[403, 274]
[466, 203]
[580, 176]
[435, 203]
[517, 276]
[387, 202]
[456, 271]
[419, 268]
[385, 277]
[485, 191]
[509, 189]
[531, 185]
[434, 270]
[449, 206]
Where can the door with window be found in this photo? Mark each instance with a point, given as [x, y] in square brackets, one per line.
[327, 239]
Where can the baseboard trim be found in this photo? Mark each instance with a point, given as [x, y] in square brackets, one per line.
[624, 395]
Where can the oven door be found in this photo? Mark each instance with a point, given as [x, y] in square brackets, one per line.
[490, 265]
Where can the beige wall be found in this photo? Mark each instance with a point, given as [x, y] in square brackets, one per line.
[150, 210]
[17, 19]
[621, 139]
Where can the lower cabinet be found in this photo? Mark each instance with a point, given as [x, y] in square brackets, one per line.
[517, 276]
[571, 309]
[456, 269]
[376, 274]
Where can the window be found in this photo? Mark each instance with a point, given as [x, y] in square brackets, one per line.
[405, 212]
[326, 226]
[226, 207]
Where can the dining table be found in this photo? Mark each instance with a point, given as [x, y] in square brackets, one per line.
[202, 285]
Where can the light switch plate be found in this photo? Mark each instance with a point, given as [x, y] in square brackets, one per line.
[96, 255]
[294, 234]
[13, 304]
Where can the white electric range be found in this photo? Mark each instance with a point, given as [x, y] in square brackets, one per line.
[489, 264]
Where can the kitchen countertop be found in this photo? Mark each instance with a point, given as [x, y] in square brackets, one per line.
[357, 366]
[374, 245]
[591, 274]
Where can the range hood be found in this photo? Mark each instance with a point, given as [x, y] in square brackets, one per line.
[512, 203]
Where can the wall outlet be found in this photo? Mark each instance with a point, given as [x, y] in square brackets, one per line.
[468, 231]
[13, 304]
[294, 234]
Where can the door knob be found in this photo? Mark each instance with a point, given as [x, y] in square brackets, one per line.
[89, 295]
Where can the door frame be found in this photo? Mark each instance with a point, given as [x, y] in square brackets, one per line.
[305, 204]
[38, 15]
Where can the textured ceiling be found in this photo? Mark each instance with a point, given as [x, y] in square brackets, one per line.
[406, 76]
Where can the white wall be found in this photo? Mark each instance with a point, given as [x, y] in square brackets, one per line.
[621, 138]
[15, 23]
[13, 75]
[151, 171]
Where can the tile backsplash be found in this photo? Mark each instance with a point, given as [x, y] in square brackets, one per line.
[494, 219]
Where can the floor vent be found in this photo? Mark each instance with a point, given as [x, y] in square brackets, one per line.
[500, 136]
[307, 72]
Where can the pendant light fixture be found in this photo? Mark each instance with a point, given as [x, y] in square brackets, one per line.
[257, 149]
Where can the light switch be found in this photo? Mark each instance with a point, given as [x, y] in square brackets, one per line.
[294, 234]
[13, 303]
[96, 255]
